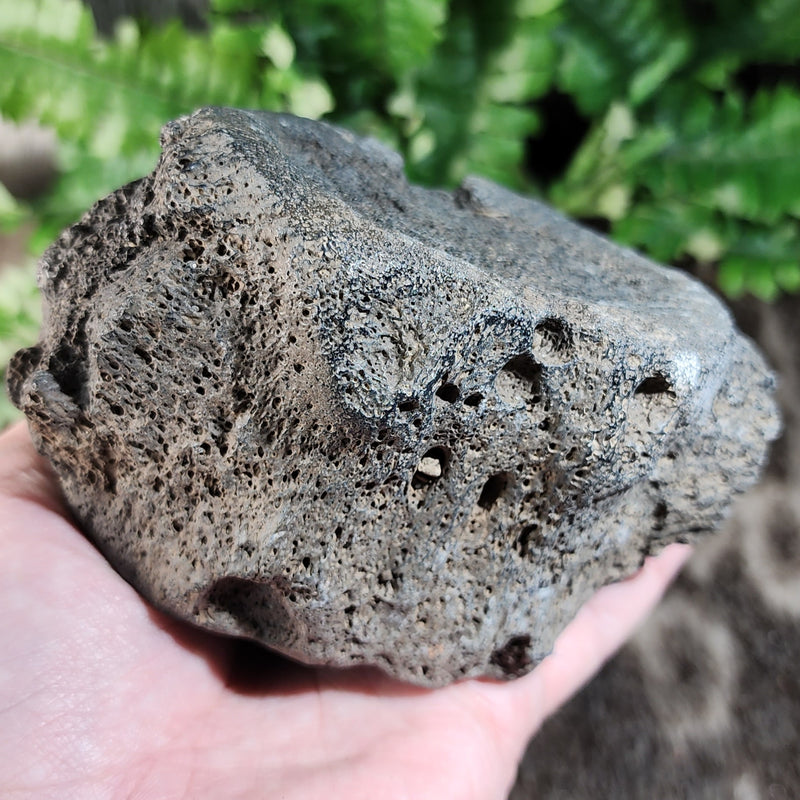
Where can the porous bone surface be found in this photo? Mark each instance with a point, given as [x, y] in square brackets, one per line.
[292, 398]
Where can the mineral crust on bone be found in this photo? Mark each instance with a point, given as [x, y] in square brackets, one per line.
[292, 398]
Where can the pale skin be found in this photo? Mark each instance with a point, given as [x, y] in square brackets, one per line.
[103, 697]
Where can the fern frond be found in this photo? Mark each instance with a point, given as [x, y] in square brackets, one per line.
[678, 158]
[668, 230]
[12, 212]
[470, 109]
[746, 31]
[620, 50]
[107, 100]
[693, 175]
[763, 261]
[736, 156]
[409, 30]
[20, 316]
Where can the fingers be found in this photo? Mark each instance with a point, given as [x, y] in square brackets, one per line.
[604, 624]
[600, 628]
[24, 474]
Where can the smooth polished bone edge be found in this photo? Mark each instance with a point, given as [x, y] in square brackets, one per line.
[293, 398]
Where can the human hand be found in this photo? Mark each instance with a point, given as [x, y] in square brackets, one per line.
[101, 696]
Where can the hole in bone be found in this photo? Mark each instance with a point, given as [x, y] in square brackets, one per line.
[528, 540]
[431, 467]
[408, 405]
[448, 392]
[473, 399]
[513, 657]
[554, 335]
[69, 371]
[245, 606]
[660, 512]
[656, 384]
[520, 379]
[493, 489]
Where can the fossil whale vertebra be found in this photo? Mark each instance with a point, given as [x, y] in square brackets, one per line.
[293, 398]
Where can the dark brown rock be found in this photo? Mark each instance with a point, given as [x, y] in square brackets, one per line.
[291, 397]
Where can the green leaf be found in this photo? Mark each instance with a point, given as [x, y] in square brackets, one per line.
[787, 276]
[762, 260]
[523, 69]
[611, 156]
[754, 31]
[619, 48]
[108, 99]
[737, 157]
[665, 230]
[12, 212]
[19, 309]
[278, 46]
[731, 276]
[647, 79]
[536, 8]
[410, 30]
[470, 110]
[680, 160]
[19, 323]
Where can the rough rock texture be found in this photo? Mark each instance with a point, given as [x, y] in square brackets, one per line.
[292, 398]
[705, 702]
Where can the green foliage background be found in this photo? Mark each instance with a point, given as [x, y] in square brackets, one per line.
[681, 155]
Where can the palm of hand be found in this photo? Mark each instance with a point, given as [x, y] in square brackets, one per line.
[101, 696]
